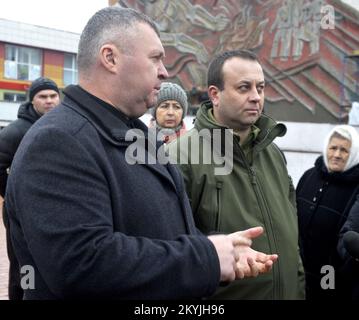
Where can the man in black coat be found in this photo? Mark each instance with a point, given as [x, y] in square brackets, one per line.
[43, 97]
[86, 221]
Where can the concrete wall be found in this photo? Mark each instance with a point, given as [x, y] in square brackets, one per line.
[287, 111]
[302, 144]
[8, 112]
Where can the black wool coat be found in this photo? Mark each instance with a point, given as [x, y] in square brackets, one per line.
[94, 226]
[10, 138]
[323, 202]
[351, 264]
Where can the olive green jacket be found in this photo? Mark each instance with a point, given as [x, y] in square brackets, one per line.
[257, 192]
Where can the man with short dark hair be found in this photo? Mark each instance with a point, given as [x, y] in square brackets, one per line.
[43, 97]
[255, 189]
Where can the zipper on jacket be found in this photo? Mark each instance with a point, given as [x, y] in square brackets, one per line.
[218, 216]
[259, 193]
[267, 222]
[252, 176]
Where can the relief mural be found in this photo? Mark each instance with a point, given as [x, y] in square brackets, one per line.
[301, 43]
[194, 31]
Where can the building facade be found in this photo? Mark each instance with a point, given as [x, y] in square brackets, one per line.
[28, 52]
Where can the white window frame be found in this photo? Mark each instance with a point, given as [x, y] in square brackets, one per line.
[11, 67]
[16, 97]
[72, 70]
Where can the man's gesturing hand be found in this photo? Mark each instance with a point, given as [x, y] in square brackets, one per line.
[249, 262]
[237, 259]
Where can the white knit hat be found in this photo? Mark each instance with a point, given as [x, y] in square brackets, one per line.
[349, 133]
[171, 91]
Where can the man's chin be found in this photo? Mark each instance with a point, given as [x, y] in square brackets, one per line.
[151, 103]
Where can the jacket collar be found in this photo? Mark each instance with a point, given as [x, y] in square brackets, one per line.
[349, 176]
[113, 127]
[269, 128]
[27, 112]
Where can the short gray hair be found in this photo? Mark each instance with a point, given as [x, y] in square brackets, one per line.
[109, 25]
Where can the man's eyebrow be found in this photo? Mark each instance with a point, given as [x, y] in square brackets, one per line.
[158, 53]
[251, 80]
[43, 95]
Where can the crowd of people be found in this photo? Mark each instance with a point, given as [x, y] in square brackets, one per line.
[77, 209]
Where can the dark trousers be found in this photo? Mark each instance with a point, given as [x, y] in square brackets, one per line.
[15, 291]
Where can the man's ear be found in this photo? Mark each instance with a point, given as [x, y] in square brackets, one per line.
[213, 94]
[109, 57]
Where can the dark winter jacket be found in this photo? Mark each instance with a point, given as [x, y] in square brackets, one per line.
[94, 226]
[10, 138]
[351, 264]
[257, 192]
[323, 202]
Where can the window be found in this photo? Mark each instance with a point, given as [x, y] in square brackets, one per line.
[22, 63]
[70, 69]
[14, 97]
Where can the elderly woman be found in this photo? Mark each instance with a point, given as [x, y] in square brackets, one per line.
[170, 111]
[325, 195]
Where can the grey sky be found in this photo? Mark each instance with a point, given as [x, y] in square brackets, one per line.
[69, 15]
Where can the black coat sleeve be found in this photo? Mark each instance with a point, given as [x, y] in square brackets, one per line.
[10, 138]
[351, 224]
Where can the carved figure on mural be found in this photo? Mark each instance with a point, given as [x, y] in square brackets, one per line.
[297, 48]
[175, 20]
[316, 26]
[245, 31]
[296, 23]
[198, 30]
[282, 37]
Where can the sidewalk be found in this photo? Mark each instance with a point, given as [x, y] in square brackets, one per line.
[4, 263]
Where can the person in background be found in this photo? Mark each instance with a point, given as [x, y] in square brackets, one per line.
[43, 97]
[92, 223]
[325, 195]
[169, 112]
[348, 249]
[258, 189]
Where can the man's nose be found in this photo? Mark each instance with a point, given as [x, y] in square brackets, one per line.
[254, 95]
[162, 72]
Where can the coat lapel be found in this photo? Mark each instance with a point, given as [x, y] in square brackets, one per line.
[113, 129]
